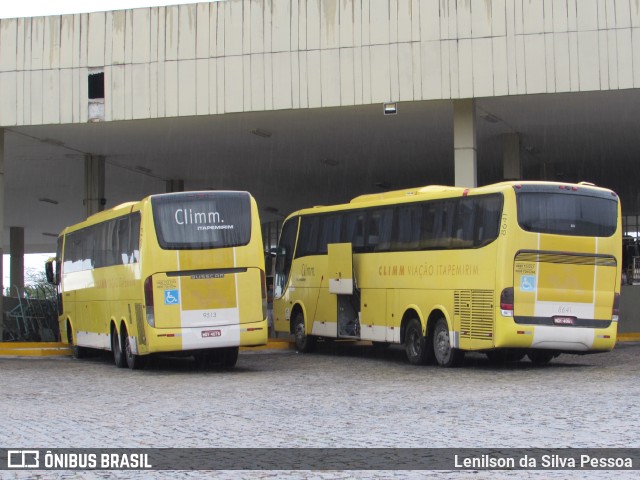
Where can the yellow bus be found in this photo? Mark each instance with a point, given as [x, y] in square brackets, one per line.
[511, 269]
[177, 272]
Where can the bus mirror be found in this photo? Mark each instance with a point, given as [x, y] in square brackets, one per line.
[48, 268]
[51, 271]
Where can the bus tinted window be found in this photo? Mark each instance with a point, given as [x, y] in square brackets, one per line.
[190, 221]
[567, 214]
[379, 224]
[308, 239]
[407, 228]
[467, 222]
[330, 226]
[284, 255]
[114, 242]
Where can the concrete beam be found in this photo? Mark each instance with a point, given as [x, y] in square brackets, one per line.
[94, 200]
[464, 143]
[16, 249]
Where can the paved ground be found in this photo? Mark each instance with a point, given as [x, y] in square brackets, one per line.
[341, 396]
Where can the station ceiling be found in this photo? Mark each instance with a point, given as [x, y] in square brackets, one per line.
[316, 156]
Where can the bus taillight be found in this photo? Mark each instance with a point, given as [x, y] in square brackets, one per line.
[148, 301]
[506, 302]
[615, 311]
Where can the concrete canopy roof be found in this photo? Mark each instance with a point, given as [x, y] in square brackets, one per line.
[316, 156]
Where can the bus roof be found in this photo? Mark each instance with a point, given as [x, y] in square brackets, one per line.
[432, 191]
[126, 207]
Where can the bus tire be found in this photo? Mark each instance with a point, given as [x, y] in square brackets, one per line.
[76, 351]
[304, 343]
[134, 362]
[116, 348]
[415, 343]
[446, 355]
[540, 357]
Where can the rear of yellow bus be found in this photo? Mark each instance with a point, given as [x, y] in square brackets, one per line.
[204, 278]
[562, 254]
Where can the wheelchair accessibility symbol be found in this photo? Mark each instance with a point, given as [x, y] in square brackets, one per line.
[527, 283]
[171, 297]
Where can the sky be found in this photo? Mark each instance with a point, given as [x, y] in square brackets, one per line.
[36, 8]
[32, 263]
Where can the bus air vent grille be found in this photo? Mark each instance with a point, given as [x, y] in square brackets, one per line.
[475, 310]
[566, 258]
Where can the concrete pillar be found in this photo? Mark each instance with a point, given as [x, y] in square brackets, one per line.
[464, 143]
[1, 221]
[511, 169]
[16, 249]
[174, 186]
[94, 200]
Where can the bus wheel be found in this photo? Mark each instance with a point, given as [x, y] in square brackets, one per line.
[415, 343]
[540, 357]
[76, 351]
[445, 354]
[116, 348]
[304, 343]
[135, 362]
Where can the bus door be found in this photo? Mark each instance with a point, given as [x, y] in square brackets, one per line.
[342, 284]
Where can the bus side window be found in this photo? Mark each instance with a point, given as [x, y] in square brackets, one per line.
[463, 226]
[489, 210]
[309, 236]
[329, 232]
[406, 228]
[437, 224]
[284, 255]
[379, 230]
[72, 253]
[353, 230]
[88, 248]
[122, 252]
[134, 238]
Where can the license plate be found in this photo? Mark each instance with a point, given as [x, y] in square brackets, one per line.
[211, 333]
[564, 320]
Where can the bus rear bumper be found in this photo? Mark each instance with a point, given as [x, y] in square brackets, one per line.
[559, 338]
[203, 338]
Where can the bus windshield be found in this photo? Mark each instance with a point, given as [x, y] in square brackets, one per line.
[203, 220]
[564, 213]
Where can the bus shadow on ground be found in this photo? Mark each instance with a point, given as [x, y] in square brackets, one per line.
[163, 363]
[396, 354]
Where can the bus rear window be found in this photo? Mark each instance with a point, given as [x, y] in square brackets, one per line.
[567, 213]
[203, 220]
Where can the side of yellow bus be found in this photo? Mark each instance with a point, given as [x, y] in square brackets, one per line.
[445, 299]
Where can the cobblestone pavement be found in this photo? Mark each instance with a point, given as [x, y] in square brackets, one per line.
[342, 396]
